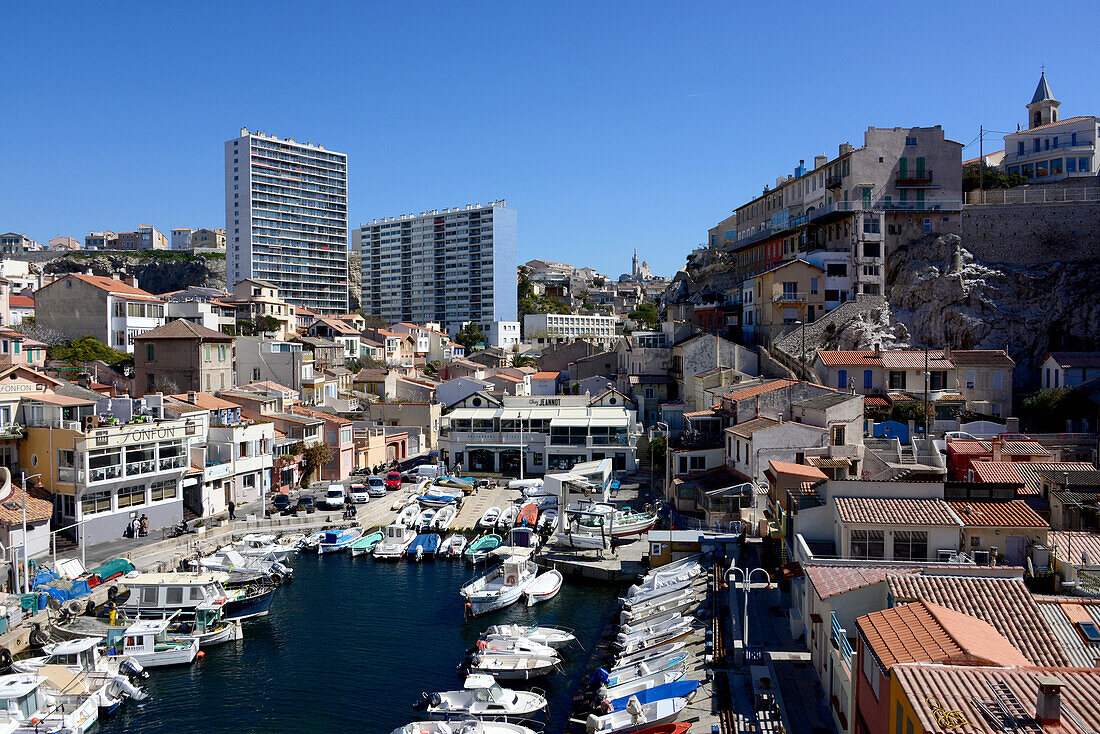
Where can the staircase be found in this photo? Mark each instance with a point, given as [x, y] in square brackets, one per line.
[907, 455]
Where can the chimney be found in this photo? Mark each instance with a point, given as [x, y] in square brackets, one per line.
[996, 448]
[820, 160]
[878, 350]
[845, 148]
[192, 397]
[946, 352]
[131, 280]
[1048, 704]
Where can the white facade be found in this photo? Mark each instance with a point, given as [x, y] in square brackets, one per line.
[1055, 151]
[286, 219]
[551, 328]
[449, 266]
[503, 334]
[127, 319]
[181, 238]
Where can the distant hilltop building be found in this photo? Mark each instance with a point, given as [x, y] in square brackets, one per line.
[639, 273]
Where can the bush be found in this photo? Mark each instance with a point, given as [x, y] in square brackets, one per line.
[88, 349]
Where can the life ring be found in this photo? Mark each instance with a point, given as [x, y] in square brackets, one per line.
[511, 580]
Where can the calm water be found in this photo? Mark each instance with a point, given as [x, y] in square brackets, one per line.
[353, 643]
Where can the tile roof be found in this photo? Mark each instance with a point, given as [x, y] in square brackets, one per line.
[39, 506]
[915, 360]
[829, 580]
[1068, 545]
[1062, 613]
[800, 470]
[895, 511]
[1072, 478]
[370, 374]
[1031, 472]
[1004, 603]
[850, 358]
[981, 357]
[206, 401]
[968, 447]
[21, 302]
[1076, 359]
[1050, 124]
[330, 417]
[545, 375]
[875, 401]
[997, 472]
[1013, 514]
[182, 329]
[926, 632]
[708, 413]
[116, 287]
[340, 327]
[749, 427]
[752, 392]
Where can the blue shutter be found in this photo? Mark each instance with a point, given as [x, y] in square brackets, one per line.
[868, 379]
[842, 378]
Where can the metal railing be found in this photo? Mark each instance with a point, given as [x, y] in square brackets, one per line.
[1033, 195]
[840, 642]
[1030, 152]
[916, 175]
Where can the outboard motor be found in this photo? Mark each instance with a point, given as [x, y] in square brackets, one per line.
[132, 670]
[121, 685]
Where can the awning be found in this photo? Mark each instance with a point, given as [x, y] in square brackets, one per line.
[570, 422]
[477, 414]
[495, 446]
[620, 420]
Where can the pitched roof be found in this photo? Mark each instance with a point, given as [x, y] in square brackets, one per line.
[800, 470]
[982, 357]
[971, 447]
[1004, 603]
[751, 392]
[1013, 514]
[182, 329]
[110, 285]
[1068, 545]
[895, 511]
[1076, 359]
[915, 360]
[1042, 91]
[749, 427]
[370, 374]
[340, 327]
[830, 580]
[842, 358]
[545, 375]
[39, 506]
[1030, 472]
[21, 302]
[875, 401]
[926, 632]
[330, 417]
[997, 472]
[206, 401]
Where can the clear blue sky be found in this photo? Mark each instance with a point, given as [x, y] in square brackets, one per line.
[608, 126]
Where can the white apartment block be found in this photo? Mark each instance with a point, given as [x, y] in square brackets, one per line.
[449, 266]
[1052, 149]
[286, 219]
[545, 329]
[181, 238]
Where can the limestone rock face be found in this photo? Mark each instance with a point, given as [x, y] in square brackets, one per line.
[155, 275]
[944, 296]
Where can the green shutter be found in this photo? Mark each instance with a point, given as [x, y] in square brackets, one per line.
[903, 166]
[149, 353]
[920, 167]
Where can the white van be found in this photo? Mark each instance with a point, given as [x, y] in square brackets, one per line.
[425, 471]
[334, 496]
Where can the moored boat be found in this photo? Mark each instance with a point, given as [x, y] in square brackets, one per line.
[482, 696]
[676, 689]
[396, 541]
[544, 588]
[500, 587]
[444, 518]
[338, 540]
[147, 642]
[528, 516]
[424, 545]
[550, 636]
[489, 519]
[514, 667]
[480, 549]
[453, 546]
[473, 726]
[365, 544]
[635, 715]
[508, 517]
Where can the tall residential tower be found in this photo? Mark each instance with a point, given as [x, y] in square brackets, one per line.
[286, 219]
[449, 266]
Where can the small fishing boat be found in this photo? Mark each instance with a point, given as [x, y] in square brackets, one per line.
[488, 520]
[262, 546]
[473, 726]
[673, 651]
[572, 538]
[638, 642]
[508, 517]
[407, 516]
[310, 542]
[480, 549]
[208, 626]
[525, 484]
[466, 484]
[243, 567]
[147, 642]
[397, 539]
[644, 595]
[544, 588]
[624, 522]
[673, 596]
[424, 519]
[528, 516]
[291, 539]
[453, 546]
[651, 622]
[513, 646]
[438, 497]
[677, 689]
[514, 667]
[365, 544]
[444, 517]
[645, 615]
[549, 636]
[423, 546]
[30, 705]
[481, 696]
[500, 587]
[338, 540]
[620, 674]
[71, 689]
[642, 684]
[657, 580]
[548, 520]
[635, 715]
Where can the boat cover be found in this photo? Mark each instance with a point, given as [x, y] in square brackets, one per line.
[111, 569]
[676, 689]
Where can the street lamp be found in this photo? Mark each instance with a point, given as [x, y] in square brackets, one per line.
[746, 581]
[26, 562]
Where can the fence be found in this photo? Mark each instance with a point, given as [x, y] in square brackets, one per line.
[1032, 195]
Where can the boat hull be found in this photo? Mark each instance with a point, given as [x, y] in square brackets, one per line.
[256, 605]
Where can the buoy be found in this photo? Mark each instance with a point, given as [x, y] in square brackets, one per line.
[200, 655]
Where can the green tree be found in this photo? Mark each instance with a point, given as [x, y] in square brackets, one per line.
[1047, 410]
[313, 458]
[88, 349]
[523, 360]
[646, 313]
[470, 336]
[989, 178]
[598, 282]
[912, 410]
[267, 323]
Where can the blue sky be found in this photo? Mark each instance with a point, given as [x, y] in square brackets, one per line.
[608, 126]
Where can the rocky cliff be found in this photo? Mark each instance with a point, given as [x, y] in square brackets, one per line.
[944, 295]
[158, 272]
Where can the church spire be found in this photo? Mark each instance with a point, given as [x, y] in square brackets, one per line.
[1043, 109]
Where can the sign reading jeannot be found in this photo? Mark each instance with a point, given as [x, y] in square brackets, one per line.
[136, 433]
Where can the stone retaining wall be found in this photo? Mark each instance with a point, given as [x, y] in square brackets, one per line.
[1030, 234]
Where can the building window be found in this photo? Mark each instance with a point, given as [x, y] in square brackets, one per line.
[93, 502]
[836, 435]
[868, 379]
[150, 353]
[937, 380]
[162, 490]
[927, 225]
[910, 141]
[897, 380]
[868, 544]
[910, 545]
[131, 496]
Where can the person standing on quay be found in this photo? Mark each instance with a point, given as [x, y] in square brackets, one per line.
[232, 510]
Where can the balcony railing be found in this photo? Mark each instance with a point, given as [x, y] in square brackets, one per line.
[105, 473]
[1067, 146]
[789, 296]
[141, 467]
[914, 177]
[840, 642]
[172, 462]
[834, 181]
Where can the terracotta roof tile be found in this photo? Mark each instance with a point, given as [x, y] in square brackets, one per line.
[851, 358]
[111, 285]
[545, 375]
[801, 470]
[1005, 603]
[182, 329]
[753, 391]
[1078, 118]
[830, 580]
[982, 357]
[1030, 472]
[39, 506]
[915, 360]
[1014, 514]
[1068, 545]
[745, 429]
[21, 302]
[874, 401]
[895, 511]
[996, 472]
[206, 401]
[700, 414]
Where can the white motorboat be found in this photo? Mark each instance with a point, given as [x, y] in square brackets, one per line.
[488, 520]
[652, 621]
[453, 546]
[544, 588]
[108, 679]
[644, 683]
[508, 517]
[550, 636]
[291, 539]
[514, 646]
[262, 546]
[671, 650]
[660, 579]
[397, 540]
[407, 516]
[473, 726]
[147, 642]
[72, 688]
[623, 521]
[29, 704]
[424, 519]
[625, 673]
[544, 501]
[679, 605]
[500, 587]
[636, 716]
[582, 540]
[525, 484]
[232, 562]
[480, 696]
[669, 596]
[514, 667]
[310, 542]
[643, 595]
[444, 517]
[338, 540]
[629, 644]
[548, 519]
[652, 629]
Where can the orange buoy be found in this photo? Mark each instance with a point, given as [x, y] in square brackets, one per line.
[200, 655]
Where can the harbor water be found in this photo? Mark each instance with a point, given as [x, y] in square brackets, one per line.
[351, 644]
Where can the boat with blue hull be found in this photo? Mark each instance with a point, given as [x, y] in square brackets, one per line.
[424, 545]
[248, 602]
[338, 540]
[676, 689]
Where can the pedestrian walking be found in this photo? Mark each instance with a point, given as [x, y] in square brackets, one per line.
[232, 510]
[144, 525]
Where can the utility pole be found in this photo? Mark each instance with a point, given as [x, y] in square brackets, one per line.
[927, 377]
[981, 163]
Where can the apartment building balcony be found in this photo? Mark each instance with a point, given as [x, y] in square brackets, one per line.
[790, 296]
[918, 177]
[834, 181]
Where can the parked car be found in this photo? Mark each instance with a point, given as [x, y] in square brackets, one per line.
[376, 486]
[415, 461]
[306, 504]
[359, 493]
[281, 503]
[334, 497]
[393, 481]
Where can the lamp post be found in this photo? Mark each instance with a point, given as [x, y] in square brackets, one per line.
[662, 426]
[26, 563]
[802, 359]
[746, 581]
